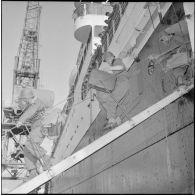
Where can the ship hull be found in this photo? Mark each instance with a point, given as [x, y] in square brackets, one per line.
[157, 156]
[138, 162]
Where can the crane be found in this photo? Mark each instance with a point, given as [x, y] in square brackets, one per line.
[25, 74]
[27, 62]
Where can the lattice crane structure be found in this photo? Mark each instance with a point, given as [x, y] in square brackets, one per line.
[27, 62]
[26, 74]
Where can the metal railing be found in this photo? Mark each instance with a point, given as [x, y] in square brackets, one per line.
[123, 6]
[116, 17]
[89, 8]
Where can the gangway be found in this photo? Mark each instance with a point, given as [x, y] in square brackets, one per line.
[101, 142]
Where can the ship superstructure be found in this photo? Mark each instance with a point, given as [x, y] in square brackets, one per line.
[152, 150]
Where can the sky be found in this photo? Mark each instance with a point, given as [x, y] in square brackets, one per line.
[58, 49]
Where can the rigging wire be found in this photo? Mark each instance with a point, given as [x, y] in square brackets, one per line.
[178, 21]
[154, 28]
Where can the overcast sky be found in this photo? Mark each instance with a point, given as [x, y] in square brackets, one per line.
[58, 48]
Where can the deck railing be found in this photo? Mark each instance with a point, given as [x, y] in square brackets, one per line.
[89, 8]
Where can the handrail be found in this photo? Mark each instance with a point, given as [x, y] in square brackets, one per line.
[100, 143]
[89, 8]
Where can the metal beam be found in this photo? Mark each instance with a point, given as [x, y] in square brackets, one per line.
[13, 178]
[13, 164]
[100, 143]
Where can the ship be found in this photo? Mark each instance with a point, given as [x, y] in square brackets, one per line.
[152, 151]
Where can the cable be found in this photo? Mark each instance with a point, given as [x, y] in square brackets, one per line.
[154, 28]
[178, 21]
